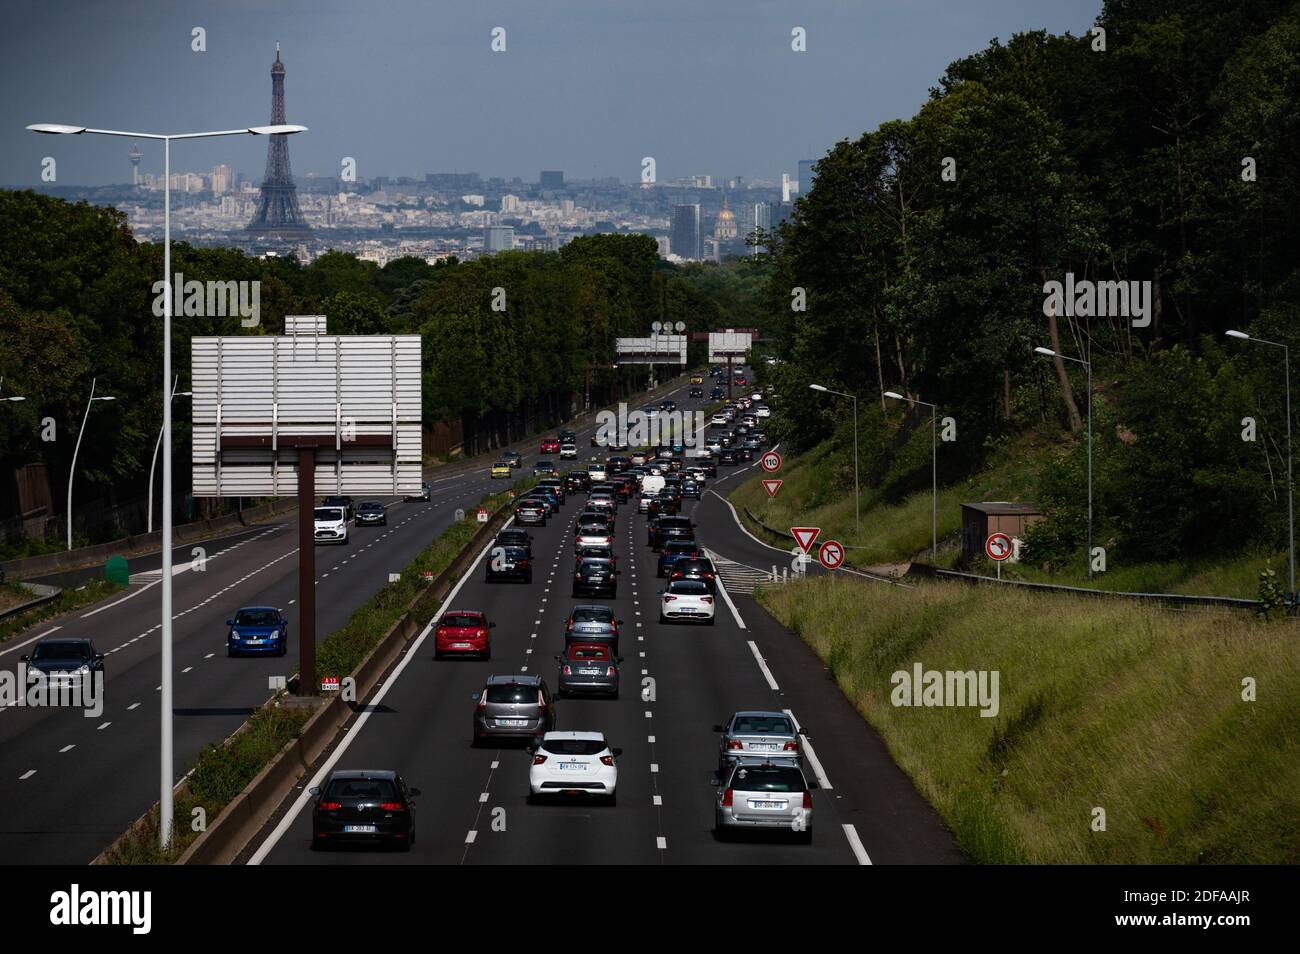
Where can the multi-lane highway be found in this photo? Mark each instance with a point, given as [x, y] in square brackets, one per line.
[679, 680]
[71, 784]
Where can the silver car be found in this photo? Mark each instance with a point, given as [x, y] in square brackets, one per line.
[760, 794]
[757, 734]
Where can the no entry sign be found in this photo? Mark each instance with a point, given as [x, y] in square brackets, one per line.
[771, 462]
[772, 485]
[998, 547]
[831, 554]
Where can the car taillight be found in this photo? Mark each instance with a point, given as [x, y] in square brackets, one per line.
[669, 599]
[569, 627]
[726, 799]
[330, 806]
[482, 633]
[539, 759]
[706, 599]
[807, 799]
[735, 744]
[611, 671]
[482, 703]
[577, 576]
[392, 806]
[791, 747]
[607, 760]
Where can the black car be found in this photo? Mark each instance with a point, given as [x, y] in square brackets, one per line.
[617, 464]
[728, 457]
[514, 537]
[661, 504]
[65, 660]
[426, 491]
[716, 394]
[691, 488]
[567, 437]
[744, 452]
[509, 563]
[373, 807]
[547, 496]
[546, 467]
[587, 669]
[340, 501]
[531, 510]
[701, 568]
[670, 551]
[669, 528]
[576, 481]
[695, 392]
[595, 578]
[372, 512]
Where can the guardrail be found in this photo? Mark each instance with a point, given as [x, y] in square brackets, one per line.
[44, 594]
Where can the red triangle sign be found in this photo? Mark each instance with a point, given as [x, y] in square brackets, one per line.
[804, 536]
[772, 485]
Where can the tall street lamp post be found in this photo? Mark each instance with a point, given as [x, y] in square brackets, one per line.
[857, 497]
[1048, 352]
[934, 470]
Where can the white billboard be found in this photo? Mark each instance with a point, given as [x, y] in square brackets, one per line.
[724, 344]
[258, 399]
[657, 349]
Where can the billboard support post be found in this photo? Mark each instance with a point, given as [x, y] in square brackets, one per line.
[307, 682]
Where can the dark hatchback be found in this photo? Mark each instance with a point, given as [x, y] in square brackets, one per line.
[592, 623]
[728, 458]
[587, 669]
[344, 502]
[367, 807]
[257, 629]
[674, 550]
[66, 660]
[700, 568]
[595, 578]
[555, 485]
[514, 537]
[662, 529]
[373, 513]
[531, 511]
[576, 481]
[509, 563]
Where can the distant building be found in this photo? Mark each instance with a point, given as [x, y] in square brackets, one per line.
[665, 245]
[685, 234]
[222, 180]
[724, 229]
[455, 182]
[498, 238]
[806, 175]
[510, 203]
[787, 187]
[552, 179]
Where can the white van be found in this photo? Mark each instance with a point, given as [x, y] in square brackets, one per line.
[652, 483]
[597, 472]
[331, 525]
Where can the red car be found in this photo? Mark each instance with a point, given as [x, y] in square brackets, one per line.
[463, 632]
[550, 445]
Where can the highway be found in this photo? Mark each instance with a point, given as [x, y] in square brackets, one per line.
[72, 784]
[473, 808]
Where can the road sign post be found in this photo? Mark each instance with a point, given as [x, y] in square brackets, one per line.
[831, 554]
[998, 547]
[772, 485]
[771, 461]
[804, 536]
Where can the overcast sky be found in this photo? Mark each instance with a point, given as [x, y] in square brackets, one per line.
[412, 86]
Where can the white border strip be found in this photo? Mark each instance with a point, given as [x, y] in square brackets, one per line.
[815, 762]
[722, 588]
[762, 664]
[855, 843]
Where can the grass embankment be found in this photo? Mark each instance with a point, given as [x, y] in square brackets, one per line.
[815, 494]
[67, 601]
[223, 771]
[1103, 704]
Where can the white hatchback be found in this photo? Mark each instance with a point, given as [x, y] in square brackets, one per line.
[686, 600]
[568, 452]
[573, 763]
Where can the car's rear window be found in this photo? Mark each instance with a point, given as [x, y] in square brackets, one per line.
[592, 614]
[595, 566]
[762, 779]
[261, 617]
[679, 546]
[675, 522]
[526, 695]
[573, 746]
[366, 789]
[461, 619]
[688, 587]
[589, 652]
[763, 725]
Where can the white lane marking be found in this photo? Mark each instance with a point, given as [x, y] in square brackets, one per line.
[103, 726]
[273, 839]
[495, 766]
[134, 705]
[657, 799]
[822, 780]
[762, 664]
[11, 649]
[722, 588]
[67, 748]
[855, 843]
[122, 600]
[469, 839]
[26, 775]
[482, 796]
[661, 843]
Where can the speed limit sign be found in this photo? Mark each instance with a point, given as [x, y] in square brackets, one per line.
[771, 462]
[998, 547]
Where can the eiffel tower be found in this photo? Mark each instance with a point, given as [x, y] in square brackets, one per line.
[278, 215]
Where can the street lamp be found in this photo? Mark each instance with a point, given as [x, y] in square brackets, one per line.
[1290, 491]
[165, 768]
[154, 464]
[72, 470]
[1048, 352]
[934, 470]
[857, 497]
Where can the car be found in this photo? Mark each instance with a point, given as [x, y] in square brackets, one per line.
[757, 794]
[512, 707]
[668, 527]
[546, 496]
[623, 485]
[592, 623]
[463, 632]
[667, 404]
[568, 437]
[763, 411]
[757, 733]
[691, 487]
[599, 437]
[686, 599]
[257, 629]
[65, 661]
[577, 480]
[339, 501]
[695, 393]
[729, 457]
[744, 452]
[587, 669]
[555, 485]
[756, 396]
[573, 763]
[697, 379]
[568, 451]
[616, 443]
[674, 550]
[544, 467]
[549, 445]
[663, 504]
[514, 537]
[531, 511]
[598, 472]
[716, 393]
[595, 578]
[371, 512]
[509, 563]
[602, 500]
[331, 524]
[592, 535]
[709, 466]
[740, 380]
[719, 419]
[425, 494]
[650, 411]
[513, 458]
[696, 568]
[368, 806]
[500, 469]
[594, 551]
[617, 464]
[594, 516]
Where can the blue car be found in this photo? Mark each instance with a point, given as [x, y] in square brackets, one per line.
[674, 550]
[256, 630]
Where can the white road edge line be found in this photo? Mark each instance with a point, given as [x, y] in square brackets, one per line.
[10, 649]
[822, 780]
[274, 838]
[855, 843]
[722, 588]
[762, 664]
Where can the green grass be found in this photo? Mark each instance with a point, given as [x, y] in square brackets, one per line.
[1103, 704]
[67, 601]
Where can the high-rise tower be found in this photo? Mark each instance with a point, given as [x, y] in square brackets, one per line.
[135, 156]
[278, 215]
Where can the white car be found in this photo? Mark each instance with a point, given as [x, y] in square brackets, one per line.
[763, 411]
[592, 537]
[568, 452]
[331, 525]
[686, 599]
[719, 420]
[597, 473]
[573, 763]
[701, 452]
[756, 396]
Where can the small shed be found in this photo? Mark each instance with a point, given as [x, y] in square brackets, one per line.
[978, 520]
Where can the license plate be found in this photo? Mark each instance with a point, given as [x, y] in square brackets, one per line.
[589, 672]
[765, 804]
[762, 746]
[253, 642]
[359, 829]
[573, 766]
[512, 722]
[687, 609]
[460, 645]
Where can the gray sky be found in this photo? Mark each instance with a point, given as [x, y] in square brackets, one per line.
[412, 86]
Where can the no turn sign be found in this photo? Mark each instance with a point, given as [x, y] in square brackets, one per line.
[831, 554]
[771, 462]
[998, 547]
